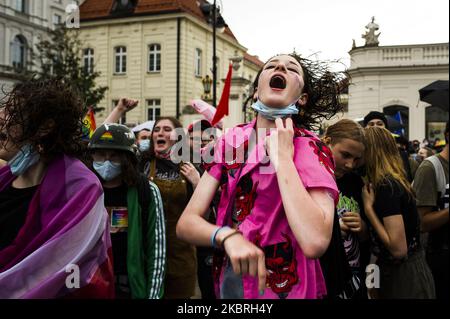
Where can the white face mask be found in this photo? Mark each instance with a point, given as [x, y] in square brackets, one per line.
[144, 145]
[108, 170]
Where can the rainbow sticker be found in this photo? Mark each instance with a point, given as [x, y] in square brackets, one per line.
[106, 136]
[119, 217]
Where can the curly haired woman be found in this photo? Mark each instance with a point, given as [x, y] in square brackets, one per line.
[54, 235]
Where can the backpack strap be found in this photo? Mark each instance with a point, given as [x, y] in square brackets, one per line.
[440, 174]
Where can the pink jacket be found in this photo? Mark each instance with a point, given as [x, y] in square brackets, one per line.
[251, 199]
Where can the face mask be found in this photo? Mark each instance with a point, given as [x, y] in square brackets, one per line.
[144, 145]
[274, 113]
[24, 158]
[108, 170]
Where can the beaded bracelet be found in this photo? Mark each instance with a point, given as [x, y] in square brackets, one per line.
[214, 234]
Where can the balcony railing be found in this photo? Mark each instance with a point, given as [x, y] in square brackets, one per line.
[402, 55]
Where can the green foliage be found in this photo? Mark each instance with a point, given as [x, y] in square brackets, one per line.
[60, 57]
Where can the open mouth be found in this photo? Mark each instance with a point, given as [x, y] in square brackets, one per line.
[278, 82]
[160, 142]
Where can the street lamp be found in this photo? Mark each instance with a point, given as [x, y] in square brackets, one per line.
[206, 81]
[216, 20]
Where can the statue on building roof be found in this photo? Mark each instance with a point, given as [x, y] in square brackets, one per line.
[370, 36]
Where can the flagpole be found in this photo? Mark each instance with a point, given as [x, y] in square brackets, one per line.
[214, 67]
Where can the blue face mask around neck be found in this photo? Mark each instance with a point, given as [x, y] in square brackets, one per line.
[107, 170]
[24, 159]
[271, 113]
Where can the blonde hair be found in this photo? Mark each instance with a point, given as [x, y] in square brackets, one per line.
[383, 159]
[345, 129]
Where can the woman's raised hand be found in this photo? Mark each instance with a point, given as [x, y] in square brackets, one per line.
[126, 104]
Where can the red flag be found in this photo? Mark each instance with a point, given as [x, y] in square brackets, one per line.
[222, 108]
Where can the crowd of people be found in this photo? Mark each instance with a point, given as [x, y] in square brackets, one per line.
[265, 210]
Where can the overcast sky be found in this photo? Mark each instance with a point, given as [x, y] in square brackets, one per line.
[327, 27]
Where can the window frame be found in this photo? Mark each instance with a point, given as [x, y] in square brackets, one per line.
[198, 62]
[88, 56]
[153, 105]
[122, 58]
[157, 58]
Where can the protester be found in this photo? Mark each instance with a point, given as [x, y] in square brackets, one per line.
[375, 118]
[143, 134]
[431, 188]
[135, 210]
[53, 223]
[390, 207]
[378, 119]
[176, 182]
[347, 143]
[423, 153]
[275, 217]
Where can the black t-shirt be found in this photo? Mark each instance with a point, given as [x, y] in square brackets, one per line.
[392, 199]
[115, 198]
[167, 170]
[14, 203]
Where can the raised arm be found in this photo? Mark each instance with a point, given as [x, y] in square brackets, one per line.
[123, 106]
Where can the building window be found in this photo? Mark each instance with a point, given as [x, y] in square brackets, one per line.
[123, 119]
[154, 58]
[56, 19]
[120, 60]
[88, 59]
[20, 5]
[198, 62]
[153, 109]
[18, 52]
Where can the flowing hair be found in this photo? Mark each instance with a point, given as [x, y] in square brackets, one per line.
[383, 161]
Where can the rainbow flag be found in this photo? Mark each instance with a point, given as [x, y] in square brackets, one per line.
[89, 125]
[64, 248]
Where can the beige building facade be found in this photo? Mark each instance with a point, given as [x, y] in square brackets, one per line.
[160, 59]
[23, 23]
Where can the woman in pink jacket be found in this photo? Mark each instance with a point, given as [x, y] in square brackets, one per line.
[278, 189]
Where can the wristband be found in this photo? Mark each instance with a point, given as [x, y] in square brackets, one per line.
[228, 236]
[214, 234]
